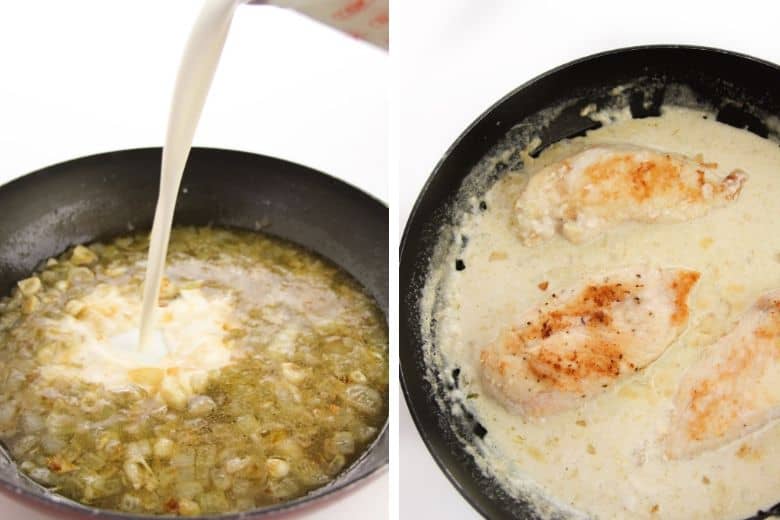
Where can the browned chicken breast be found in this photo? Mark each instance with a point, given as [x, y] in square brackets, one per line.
[732, 390]
[586, 338]
[605, 185]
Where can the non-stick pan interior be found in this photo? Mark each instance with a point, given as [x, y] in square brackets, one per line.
[104, 195]
[738, 90]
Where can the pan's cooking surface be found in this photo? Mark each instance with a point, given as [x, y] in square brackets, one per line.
[722, 82]
[104, 195]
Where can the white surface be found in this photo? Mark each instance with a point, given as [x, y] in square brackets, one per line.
[88, 76]
[458, 57]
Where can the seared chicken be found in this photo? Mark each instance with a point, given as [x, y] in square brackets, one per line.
[733, 390]
[586, 338]
[603, 186]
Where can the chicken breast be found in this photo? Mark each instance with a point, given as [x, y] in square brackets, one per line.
[733, 390]
[605, 185]
[586, 338]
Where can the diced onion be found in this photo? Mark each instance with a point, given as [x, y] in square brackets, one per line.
[277, 468]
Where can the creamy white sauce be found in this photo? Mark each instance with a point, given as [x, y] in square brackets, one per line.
[605, 460]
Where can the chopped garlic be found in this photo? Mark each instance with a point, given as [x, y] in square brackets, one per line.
[30, 304]
[277, 468]
[82, 256]
[29, 286]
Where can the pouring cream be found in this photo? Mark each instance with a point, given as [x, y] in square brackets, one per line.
[196, 72]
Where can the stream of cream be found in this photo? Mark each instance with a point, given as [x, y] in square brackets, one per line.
[175, 347]
[196, 72]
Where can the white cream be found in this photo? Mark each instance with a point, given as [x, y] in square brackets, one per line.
[170, 351]
[101, 343]
[605, 460]
[196, 72]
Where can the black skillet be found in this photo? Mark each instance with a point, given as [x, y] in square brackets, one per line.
[97, 197]
[741, 90]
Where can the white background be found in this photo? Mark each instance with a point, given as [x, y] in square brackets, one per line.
[458, 57]
[79, 77]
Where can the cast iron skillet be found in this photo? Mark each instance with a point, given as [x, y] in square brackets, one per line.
[97, 197]
[741, 90]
